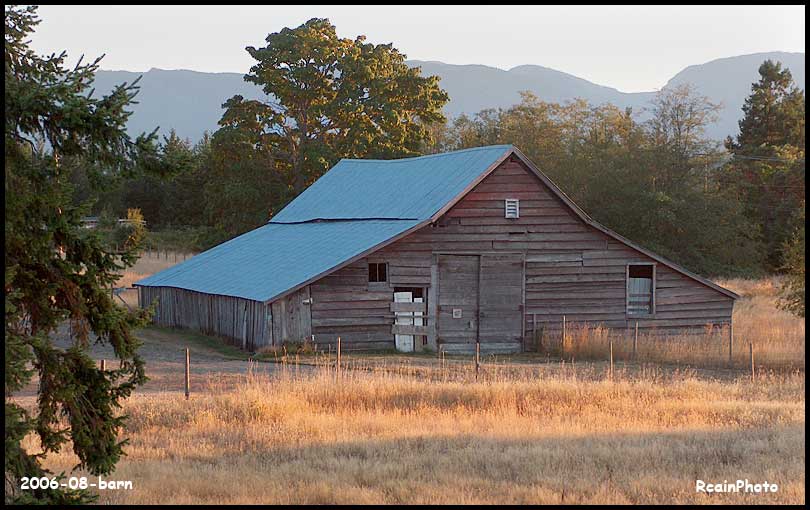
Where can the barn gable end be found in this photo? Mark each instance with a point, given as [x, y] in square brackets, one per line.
[570, 268]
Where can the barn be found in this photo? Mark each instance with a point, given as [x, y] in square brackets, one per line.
[433, 252]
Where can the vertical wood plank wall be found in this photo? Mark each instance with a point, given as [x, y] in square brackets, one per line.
[242, 322]
[570, 269]
[235, 319]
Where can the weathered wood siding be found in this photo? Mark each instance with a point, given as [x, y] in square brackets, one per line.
[292, 320]
[242, 322]
[458, 287]
[345, 304]
[571, 269]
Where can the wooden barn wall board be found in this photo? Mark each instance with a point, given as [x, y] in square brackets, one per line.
[233, 319]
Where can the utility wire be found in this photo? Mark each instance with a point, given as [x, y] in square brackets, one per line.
[767, 158]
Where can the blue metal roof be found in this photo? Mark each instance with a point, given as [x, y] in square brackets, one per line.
[265, 262]
[364, 203]
[412, 188]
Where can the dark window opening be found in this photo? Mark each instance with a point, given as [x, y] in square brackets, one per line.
[377, 272]
[640, 289]
[416, 291]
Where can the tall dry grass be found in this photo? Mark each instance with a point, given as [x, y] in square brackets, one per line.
[314, 438]
[150, 263]
[778, 337]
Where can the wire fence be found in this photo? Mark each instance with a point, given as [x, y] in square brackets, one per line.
[716, 347]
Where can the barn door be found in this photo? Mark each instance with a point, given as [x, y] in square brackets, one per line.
[501, 302]
[458, 302]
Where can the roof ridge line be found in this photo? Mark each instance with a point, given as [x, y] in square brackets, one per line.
[335, 220]
[471, 149]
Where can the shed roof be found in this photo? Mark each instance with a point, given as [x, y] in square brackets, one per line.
[271, 259]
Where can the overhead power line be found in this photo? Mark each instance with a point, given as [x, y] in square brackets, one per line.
[767, 158]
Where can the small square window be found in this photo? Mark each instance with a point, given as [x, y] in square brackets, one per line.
[377, 272]
[512, 208]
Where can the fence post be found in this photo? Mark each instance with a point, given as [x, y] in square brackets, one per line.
[477, 358]
[611, 358]
[751, 351]
[188, 375]
[337, 365]
[103, 365]
[563, 333]
[730, 344]
[635, 343]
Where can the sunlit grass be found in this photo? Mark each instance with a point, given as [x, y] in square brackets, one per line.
[384, 438]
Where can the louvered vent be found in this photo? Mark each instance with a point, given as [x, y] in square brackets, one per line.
[512, 208]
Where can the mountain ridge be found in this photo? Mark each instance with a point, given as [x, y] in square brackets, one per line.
[190, 101]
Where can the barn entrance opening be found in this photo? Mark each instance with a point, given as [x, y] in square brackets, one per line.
[458, 302]
[480, 301]
[413, 317]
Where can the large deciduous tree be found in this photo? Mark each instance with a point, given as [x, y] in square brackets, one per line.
[329, 98]
[58, 273]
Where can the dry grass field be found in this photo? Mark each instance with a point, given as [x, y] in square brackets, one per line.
[148, 264]
[389, 433]
[383, 438]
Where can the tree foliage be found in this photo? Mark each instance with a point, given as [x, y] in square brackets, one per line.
[792, 292]
[768, 170]
[58, 273]
[653, 176]
[331, 98]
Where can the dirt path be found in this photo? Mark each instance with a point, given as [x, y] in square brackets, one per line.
[214, 366]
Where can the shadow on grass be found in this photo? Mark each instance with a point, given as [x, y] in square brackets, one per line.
[617, 468]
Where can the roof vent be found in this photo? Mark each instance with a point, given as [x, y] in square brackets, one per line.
[512, 208]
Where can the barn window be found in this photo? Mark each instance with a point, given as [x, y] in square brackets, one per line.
[377, 272]
[640, 289]
[512, 208]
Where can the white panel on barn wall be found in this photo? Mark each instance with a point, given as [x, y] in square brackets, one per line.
[404, 343]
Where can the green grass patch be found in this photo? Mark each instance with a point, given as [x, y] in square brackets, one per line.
[194, 340]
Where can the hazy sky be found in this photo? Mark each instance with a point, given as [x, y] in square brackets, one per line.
[632, 48]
